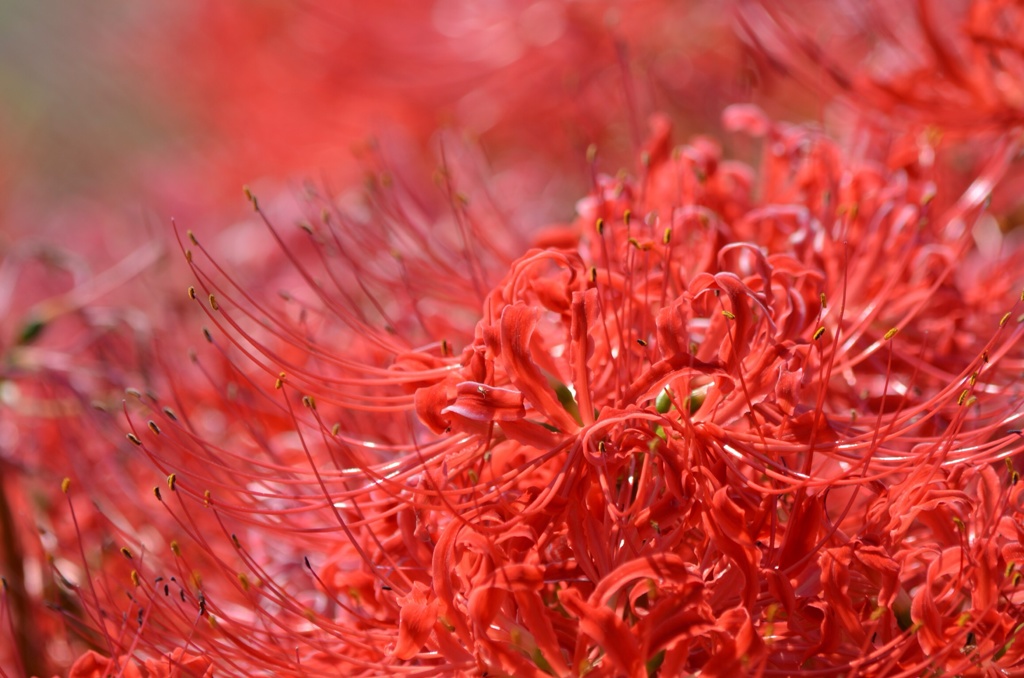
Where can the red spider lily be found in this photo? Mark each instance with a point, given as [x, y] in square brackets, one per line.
[932, 84]
[238, 77]
[728, 421]
[956, 66]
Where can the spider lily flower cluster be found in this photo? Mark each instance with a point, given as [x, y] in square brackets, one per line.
[732, 420]
[728, 421]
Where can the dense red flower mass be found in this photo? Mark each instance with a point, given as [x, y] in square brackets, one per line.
[754, 417]
[727, 421]
[242, 91]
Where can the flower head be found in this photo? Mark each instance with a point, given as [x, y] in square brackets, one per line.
[727, 421]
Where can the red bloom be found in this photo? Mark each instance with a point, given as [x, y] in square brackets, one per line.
[743, 423]
[730, 420]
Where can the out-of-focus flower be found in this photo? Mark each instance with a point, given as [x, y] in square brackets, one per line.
[953, 65]
[728, 420]
[929, 86]
[177, 664]
[68, 347]
[279, 88]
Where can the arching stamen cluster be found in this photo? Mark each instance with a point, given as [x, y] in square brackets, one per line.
[729, 421]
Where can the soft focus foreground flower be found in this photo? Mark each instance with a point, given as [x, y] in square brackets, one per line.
[67, 346]
[727, 421]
